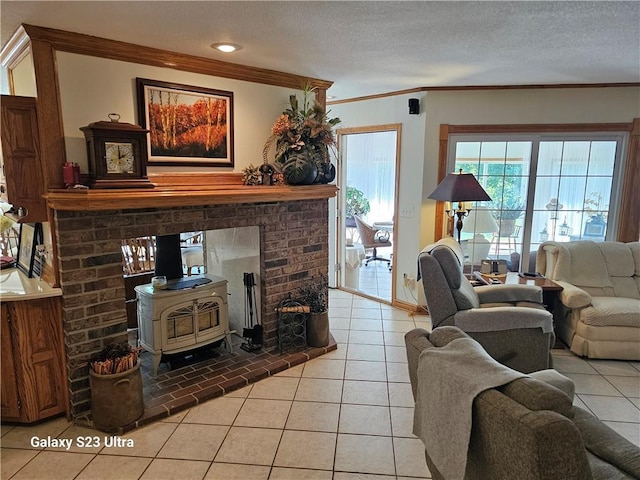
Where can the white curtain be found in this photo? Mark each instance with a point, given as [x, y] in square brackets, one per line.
[370, 167]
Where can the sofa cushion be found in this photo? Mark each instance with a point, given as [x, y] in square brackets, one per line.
[581, 263]
[612, 311]
[556, 379]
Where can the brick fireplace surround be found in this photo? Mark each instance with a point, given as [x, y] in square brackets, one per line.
[293, 246]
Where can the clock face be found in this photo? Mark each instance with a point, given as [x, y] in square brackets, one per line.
[119, 157]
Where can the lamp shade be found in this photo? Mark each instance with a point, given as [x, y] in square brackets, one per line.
[459, 187]
[480, 221]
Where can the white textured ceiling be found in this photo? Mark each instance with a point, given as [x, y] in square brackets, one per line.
[369, 47]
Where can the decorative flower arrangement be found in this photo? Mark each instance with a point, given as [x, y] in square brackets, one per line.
[303, 135]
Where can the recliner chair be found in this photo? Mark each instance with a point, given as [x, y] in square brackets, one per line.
[509, 321]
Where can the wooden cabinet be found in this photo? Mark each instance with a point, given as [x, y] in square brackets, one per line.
[21, 158]
[33, 380]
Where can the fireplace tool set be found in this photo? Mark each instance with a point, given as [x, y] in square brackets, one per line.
[253, 331]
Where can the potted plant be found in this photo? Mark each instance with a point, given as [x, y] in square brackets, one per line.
[303, 135]
[355, 204]
[315, 293]
[116, 387]
[506, 216]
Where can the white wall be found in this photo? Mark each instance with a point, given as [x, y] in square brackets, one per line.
[92, 87]
[396, 110]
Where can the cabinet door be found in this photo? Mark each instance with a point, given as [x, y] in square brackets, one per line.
[21, 156]
[10, 400]
[37, 328]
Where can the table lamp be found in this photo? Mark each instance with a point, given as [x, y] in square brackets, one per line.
[459, 187]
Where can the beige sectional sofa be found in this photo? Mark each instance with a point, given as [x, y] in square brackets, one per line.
[598, 313]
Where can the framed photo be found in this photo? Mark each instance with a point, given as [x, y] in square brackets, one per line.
[30, 235]
[188, 125]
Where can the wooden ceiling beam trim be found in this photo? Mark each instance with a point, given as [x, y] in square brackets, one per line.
[116, 50]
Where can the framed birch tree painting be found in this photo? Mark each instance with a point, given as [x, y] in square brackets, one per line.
[187, 125]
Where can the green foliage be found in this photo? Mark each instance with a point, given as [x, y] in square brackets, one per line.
[509, 210]
[300, 167]
[356, 203]
[595, 206]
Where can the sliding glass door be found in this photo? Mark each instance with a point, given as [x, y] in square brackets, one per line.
[543, 187]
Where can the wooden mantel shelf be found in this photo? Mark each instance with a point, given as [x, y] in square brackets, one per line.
[181, 196]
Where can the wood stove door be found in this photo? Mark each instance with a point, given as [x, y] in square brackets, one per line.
[192, 323]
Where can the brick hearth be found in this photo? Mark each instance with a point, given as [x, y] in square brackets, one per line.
[293, 245]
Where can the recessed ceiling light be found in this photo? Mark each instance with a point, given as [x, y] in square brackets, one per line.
[226, 47]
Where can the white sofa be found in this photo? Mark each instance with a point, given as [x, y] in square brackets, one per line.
[598, 313]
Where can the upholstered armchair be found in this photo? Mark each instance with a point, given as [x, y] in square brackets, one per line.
[509, 321]
[526, 429]
[372, 238]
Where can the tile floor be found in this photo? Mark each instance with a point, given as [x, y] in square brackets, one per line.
[375, 278]
[343, 416]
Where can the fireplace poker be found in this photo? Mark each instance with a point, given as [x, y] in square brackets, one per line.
[253, 332]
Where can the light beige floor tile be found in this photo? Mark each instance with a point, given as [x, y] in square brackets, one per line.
[291, 372]
[281, 473]
[361, 476]
[366, 325]
[241, 392]
[339, 312]
[177, 417]
[314, 450]
[20, 437]
[365, 454]
[339, 323]
[398, 372]
[365, 303]
[409, 455]
[13, 459]
[613, 367]
[252, 446]
[361, 370]
[319, 390]
[401, 326]
[396, 354]
[321, 368]
[614, 409]
[579, 403]
[54, 466]
[194, 442]
[389, 313]
[365, 393]
[263, 413]
[147, 440]
[366, 313]
[235, 471]
[592, 384]
[4, 429]
[165, 469]
[635, 401]
[402, 422]
[630, 431]
[571, 364]
[313, 416]
[365, 419]
[400, 395]
[340, 336]
[217, 411]
[340, 353]
[275, 388]
[365, 352]
[107, 467]
[340, 302]
[629, 386]
[366, 337]
[424, 324]
[394, 338]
